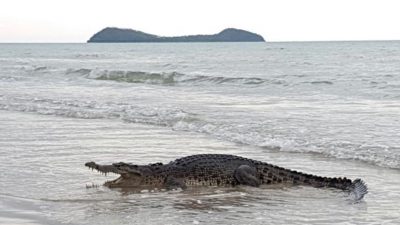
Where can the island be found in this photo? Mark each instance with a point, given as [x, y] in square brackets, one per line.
[117, 35]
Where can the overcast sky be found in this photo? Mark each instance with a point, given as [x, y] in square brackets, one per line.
[279, 20]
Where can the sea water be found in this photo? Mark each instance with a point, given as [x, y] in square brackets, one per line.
[326, 108]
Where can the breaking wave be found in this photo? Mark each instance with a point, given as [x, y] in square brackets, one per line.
[167, 78]
[181, 120]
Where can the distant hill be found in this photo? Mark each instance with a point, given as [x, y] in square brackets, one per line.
[113, 34]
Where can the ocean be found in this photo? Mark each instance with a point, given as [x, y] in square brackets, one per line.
[326, 108]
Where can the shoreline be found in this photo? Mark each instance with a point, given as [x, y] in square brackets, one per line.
[21, 211]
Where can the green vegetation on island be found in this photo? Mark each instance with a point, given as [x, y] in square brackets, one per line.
[112, 34]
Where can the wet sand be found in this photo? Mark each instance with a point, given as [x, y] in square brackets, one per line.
[48, 154]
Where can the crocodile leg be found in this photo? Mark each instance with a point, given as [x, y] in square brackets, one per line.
[174, 183]
[247, 175]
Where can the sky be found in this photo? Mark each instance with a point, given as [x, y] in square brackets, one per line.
[278, 20]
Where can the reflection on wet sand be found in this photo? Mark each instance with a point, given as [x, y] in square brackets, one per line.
[220, 199]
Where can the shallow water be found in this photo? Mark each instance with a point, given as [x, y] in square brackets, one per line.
[46, 177]
[330, 109]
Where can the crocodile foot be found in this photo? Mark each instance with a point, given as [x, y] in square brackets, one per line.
[247, 175]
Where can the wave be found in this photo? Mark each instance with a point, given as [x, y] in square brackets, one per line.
[174, 78]
[88, 56]
[386, 89]
[40, 68]
[181, 120]
[321, 82]
[167, 78]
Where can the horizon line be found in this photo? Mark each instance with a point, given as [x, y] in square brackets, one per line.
[284, 41]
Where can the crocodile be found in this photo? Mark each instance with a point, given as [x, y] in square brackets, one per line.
[218, 170]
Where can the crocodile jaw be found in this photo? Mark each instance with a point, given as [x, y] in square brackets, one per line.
[126, 179]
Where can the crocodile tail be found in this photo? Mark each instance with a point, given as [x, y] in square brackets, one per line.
[358, 189]
[339, 183]
[272, 174]
[296, 177]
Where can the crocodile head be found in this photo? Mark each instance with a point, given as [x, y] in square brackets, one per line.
[130, 175]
